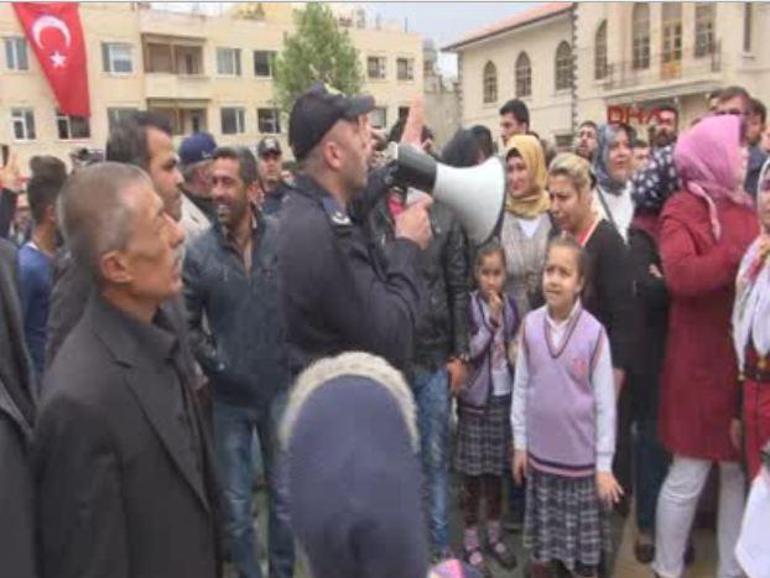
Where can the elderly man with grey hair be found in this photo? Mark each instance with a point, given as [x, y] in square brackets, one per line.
[122, 463]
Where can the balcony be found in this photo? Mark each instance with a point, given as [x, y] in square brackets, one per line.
[673, 69]
[167, 86]
[174, 69]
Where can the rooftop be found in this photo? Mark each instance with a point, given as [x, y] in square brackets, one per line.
[530, 16]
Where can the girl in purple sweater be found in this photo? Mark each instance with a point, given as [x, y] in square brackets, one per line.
[563, 421]
[483, 407]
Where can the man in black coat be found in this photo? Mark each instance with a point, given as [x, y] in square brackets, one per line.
[17, 414]
[122, 462]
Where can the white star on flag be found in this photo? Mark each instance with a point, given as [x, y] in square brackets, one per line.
[58, 59]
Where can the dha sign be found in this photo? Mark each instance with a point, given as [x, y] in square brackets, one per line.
[626, 114]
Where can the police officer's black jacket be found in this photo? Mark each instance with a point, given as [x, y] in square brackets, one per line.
[337, 294]
[442, 329]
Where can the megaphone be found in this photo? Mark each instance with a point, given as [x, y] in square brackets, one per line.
[476, 195]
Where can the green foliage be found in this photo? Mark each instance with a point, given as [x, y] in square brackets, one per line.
[318, 50]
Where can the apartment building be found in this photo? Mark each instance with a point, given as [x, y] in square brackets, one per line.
[204, 72]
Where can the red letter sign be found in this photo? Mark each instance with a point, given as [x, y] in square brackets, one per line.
[53, 29]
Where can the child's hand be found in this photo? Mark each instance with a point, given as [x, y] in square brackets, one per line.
[519, 466]
[495, 307]
[608, 488]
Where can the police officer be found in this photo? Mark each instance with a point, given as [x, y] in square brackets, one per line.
[337, 295]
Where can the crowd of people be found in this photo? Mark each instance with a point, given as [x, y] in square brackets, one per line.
[181, 327]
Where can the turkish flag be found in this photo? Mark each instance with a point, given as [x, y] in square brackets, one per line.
[54, 31]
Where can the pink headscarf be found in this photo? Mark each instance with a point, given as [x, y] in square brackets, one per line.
[708, 160]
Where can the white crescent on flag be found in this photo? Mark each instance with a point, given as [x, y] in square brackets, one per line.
[48, 21]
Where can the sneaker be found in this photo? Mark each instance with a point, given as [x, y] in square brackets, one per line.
[475, 560]
[503, 554]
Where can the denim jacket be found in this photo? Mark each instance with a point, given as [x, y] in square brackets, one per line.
[243, 352]
[475, 393]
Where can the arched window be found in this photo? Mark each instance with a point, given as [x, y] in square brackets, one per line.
[523, 76]
[640, 36]
[563, 66]
[601, 68]
[490, 83]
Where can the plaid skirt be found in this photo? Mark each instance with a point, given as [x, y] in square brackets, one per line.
[484, 438]
[564, 520]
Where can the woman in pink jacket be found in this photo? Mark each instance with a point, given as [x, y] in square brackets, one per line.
[706, 229]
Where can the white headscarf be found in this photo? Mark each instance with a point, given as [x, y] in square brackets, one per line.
[751, 312]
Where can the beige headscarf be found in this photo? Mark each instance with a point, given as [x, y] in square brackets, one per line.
[536, 201]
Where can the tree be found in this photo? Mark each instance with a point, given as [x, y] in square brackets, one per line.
[317, 51]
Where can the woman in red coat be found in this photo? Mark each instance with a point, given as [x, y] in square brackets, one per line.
[706, 229]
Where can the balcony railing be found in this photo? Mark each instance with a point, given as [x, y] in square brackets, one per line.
[177, 86]
[686, 65]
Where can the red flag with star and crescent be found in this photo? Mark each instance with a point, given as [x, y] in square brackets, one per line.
[54, 31]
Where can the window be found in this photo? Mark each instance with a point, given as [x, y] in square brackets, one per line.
[523, 75]
[640, 36]
[563, 142]
[601, 68]
[375, 66]
[16, 53]
[747, 27]
[116, 115]
[268, 121]
[116, 58]
[189, 60]
[229, 61]
[72, 127]
[672, 32]
[405, 68]
[490, 83]
[233, 120]
[704, 29]
[563, 66]
[378, 118]
[23, 121]
[263, 63]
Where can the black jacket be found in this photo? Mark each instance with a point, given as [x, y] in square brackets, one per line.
[17, 414]
[442, 326]
[609, 291]
[243, 352]
[337, 295]
[652, 304]
[123, 465]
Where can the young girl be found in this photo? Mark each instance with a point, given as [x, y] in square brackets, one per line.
[563, 418]
[484, 436]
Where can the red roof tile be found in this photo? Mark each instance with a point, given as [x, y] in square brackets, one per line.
[526, 17]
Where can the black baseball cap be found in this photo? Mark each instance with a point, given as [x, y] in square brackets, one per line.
[269, 145]
[316, 111]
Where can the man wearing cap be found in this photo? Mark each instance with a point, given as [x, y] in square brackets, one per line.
[337, 296]
[269, 163]
[198, 211]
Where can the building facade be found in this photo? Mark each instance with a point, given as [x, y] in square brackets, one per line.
[572, 61]
[203, 72]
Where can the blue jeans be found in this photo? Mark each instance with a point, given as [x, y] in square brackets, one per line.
[651, 469]
[431, 392]
[234, 428]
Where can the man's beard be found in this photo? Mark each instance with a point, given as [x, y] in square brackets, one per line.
[664, 139]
